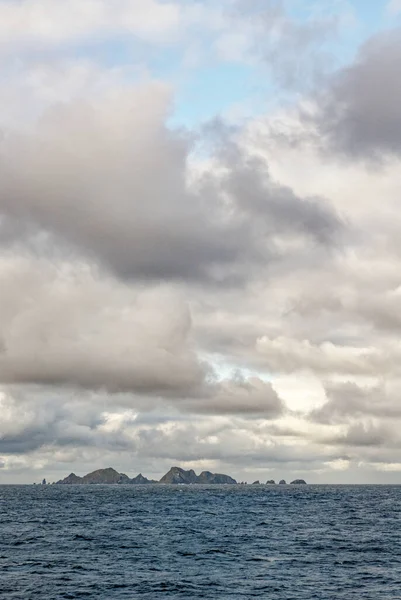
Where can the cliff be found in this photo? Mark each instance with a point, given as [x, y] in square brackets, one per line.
[174, 476]
[178, 475]
[141, 480]
[206, 477]
[71, 479]
[105, 476]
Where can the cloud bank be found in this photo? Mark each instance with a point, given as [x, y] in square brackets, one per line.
[224, 296]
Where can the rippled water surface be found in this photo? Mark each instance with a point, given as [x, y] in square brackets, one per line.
[100, 542]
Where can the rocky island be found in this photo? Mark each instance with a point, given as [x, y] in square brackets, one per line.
[175, 475]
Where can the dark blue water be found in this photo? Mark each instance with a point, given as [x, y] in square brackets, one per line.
[100, 542]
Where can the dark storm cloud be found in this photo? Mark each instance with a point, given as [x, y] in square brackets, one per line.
[359, 114]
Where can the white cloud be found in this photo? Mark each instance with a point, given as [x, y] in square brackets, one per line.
[59, 21]
[289, 355]
[394, 7]
[339, 464]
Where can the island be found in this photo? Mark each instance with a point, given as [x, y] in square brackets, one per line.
[175, 476]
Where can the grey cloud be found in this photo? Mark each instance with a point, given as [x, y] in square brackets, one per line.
[64, 430]
[39, 419]
[295, 53]
[44, 425]
[61, 326]
[362, 435]
[100, 201]
[233, 443]
[289, 355]
[110, 181]
[247, 397]
[276, 207]
[301, 59]
[349, 400]
[68, 326]
[359, 112]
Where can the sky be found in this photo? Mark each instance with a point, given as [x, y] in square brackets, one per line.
[199, 238]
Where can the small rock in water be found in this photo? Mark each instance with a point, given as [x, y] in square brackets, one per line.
[270, 482]
[298, 482]
[283, 482]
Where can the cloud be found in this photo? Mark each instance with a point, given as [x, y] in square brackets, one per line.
[72, 327]
[78, 329]
[63, 421]
[361, 435]
[394, 7]
[34, 421]
[59, 21]
[358, 114]
[289, 355]
[294, 53]
[244, 397]
[225, 298]
[110, 181]
[348, 400]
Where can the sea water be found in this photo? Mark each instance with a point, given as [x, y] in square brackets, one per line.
[225, 542]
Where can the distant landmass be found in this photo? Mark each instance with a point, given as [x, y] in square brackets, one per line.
[174, 476]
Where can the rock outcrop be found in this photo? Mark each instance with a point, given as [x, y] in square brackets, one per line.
[282, 482]
[108, 475]
[177, 475]
[141, 480]
[101, 476]
[257, 482]
[298, 482]
[71, 479]
[208, 478]
[270, 482]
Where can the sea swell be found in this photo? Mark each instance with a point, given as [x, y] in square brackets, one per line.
[224, 542]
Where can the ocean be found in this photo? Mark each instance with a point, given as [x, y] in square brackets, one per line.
[218, 542]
